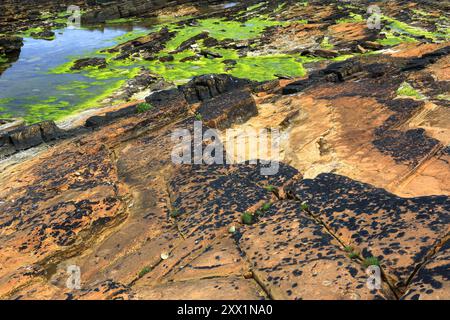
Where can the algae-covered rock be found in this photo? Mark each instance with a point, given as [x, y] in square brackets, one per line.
[360, 181]
[89, 62]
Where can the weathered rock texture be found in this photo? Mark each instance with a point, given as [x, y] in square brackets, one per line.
[363, 178]
[129, 8]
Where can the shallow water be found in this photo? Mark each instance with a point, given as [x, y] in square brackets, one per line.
[28, 90]
[41, 86]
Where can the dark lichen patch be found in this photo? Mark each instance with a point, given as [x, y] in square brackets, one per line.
[360, 214]
[248, 218]
[431, 281]
[306, 253]
[38, 33]
[408, 147]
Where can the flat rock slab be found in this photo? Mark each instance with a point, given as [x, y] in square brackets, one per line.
[432, 280]
[234, 288]
[221, 258]
[295, 258]
[105, 290]
[400, 232]
[208, 86]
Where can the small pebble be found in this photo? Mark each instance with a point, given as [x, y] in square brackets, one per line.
[164, 256]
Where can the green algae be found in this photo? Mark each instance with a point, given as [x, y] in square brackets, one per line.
[5, 100]
[108, 80]
[421, 13]
[445, 97]
[406, 90]
[104, 82]
[31, 33]
[256, 6]
[27, 33]
[400, 32]
[349, 6]
[46, 111]
[4, 114]
[353, 18]
[392, 40]
[3, 59]
[110, 73]
[267, 67]
[301, 21]
[280, 7]
[143, 107]
[248, 218]
[404, 28]
[74, 85]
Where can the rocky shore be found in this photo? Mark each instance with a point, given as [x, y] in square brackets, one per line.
[363, 178]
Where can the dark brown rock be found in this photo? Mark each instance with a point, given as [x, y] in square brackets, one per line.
[10, 45]
[229, 108]
[210, 54]
[31, 136]
[89, 62]
[205, 87]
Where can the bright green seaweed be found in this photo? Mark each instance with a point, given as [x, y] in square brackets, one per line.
[408, 32]
[221, 29]
[353, 17]
[104, 82]
[407, 90]
[264, 67]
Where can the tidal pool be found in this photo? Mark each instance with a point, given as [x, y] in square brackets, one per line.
[28, 90]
